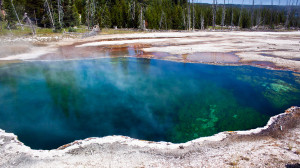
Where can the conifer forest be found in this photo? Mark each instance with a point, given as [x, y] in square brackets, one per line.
[149, 14]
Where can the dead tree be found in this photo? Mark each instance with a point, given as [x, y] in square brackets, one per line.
[60, 12]
[241, 12]
[142, 21]
[1, 19]
[28, 21]
[184, 19]
[93, 11]
[202, 20]
[287, 21]
[141, 18]
[88, 14]
[258, 16]
[16, 14]
[35, 18]
[47, 6]
[294, 6]
[272, 7]
[90, 10]
[223, 14]
[132, 10]
[193, 15]
[214, 14]
[202, 23]
[252, 14]
[262, 16]
[189, 15]
[231, 24]
[163, 20]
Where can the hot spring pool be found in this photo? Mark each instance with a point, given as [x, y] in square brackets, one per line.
[49, 104]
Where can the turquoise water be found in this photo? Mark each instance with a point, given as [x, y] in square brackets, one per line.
[48, 104]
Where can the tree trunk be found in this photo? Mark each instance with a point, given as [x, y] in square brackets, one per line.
[184, 19]
[201, 20]
[272, 3]
[231, 15]
[132, 10]
[46, 4]
[252, 15]
[287, 21]
[161, 19]
[202, 23]
[35, 18]
[142, 25]
[88, 14]
[16, 14]
[214, 14]
[0, 15]
[223, 14]
[193, 15]
[58, 11]
[28, 21]
[258, 17]
[92, 11]
[189, 15]
[241, 12]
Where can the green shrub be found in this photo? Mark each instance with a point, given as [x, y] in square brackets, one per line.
[72, 29]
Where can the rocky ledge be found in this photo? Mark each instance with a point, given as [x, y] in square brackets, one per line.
[275, 145]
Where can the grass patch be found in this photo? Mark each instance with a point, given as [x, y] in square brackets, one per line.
[25, 32]
[16, 32]
[49, 31]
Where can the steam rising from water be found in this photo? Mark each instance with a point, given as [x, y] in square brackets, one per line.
[51, 104]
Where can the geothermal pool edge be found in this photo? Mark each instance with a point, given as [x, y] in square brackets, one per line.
[275, 145]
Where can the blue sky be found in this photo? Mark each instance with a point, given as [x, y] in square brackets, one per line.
[257, 2]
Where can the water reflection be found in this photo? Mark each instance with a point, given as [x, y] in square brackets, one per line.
[142, 98]
[64, 90]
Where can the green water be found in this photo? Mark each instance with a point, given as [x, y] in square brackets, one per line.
[48, 104]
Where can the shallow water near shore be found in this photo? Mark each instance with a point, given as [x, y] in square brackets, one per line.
[49, 104]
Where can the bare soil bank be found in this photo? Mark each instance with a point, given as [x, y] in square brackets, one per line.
[273, 50]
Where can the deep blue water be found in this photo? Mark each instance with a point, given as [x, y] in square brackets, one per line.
[48, 104]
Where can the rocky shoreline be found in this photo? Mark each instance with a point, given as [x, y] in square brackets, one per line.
[275, 145]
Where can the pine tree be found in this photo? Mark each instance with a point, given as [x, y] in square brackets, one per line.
[57, 26]
[155, 14]
[49, 12]
[71, 16]
[10, 15]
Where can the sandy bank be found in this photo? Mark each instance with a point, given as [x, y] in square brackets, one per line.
[277, 50]
[275, 145]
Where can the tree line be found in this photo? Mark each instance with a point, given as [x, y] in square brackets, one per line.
[150, 14]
